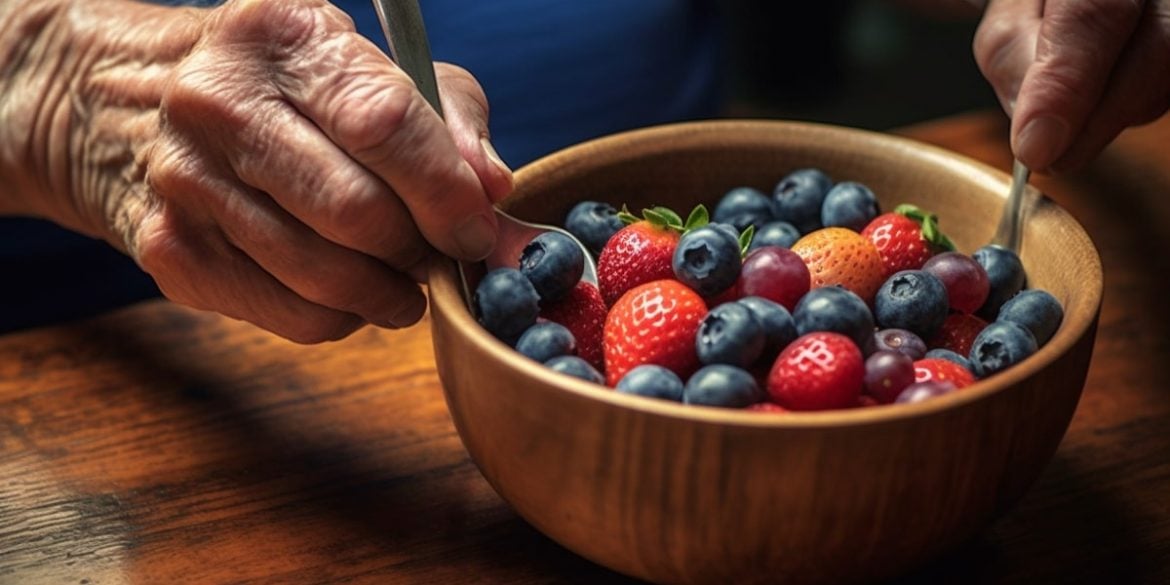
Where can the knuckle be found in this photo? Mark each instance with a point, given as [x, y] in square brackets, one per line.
[369, 114]
[277, 23]
[173, 171]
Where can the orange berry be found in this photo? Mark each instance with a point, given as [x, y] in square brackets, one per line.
[838, 256]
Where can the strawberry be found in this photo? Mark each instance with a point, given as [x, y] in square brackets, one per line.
[958, 333]
[818, 371]
[638, 253]
[927, 369]
[766, 406]
[653, 323]
[838, 256]
[906, 238]
[583, 313]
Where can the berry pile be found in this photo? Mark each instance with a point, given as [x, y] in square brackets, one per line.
[810, 298]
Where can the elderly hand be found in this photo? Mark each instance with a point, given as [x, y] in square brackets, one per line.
[260, 159]
[1074, 73]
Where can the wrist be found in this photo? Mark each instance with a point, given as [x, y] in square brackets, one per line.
[80, 85]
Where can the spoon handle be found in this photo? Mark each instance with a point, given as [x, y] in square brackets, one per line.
[402, 24]
[1007, 234]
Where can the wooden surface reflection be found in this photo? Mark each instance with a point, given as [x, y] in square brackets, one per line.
[162, 445]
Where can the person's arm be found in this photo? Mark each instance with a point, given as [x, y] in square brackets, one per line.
[1074, 73]
[259, 159]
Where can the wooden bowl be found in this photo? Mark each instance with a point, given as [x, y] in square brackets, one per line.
[685, 494]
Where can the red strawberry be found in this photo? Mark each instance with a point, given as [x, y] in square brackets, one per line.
[653, 323]
[818, 371]
[927, 369]
[840, 256]
[766, 407]
[583, 313]
[639, 253]
[906, 238]
[958, 333]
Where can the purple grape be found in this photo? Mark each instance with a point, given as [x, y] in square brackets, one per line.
[900, 340]
[965, 280]
[887, 373]
[919, 391]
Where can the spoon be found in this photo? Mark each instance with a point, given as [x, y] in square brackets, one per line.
[403, 26]
[1009, 231]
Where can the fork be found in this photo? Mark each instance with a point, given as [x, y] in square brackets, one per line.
[407, 37]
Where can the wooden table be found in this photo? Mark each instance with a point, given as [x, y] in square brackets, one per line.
[162, 445]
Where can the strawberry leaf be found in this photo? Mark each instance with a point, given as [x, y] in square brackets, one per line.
[697, 218]
[745, 239]
[672, 218]
[626, 217]
[929, 223]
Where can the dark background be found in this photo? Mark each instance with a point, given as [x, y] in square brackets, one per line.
[876, 64]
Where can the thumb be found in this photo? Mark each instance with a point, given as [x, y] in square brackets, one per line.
[466, 109]
[1077, 48]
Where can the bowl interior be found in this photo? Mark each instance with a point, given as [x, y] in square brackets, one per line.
[681, 165]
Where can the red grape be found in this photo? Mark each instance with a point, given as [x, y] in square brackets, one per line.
[774, 273]
[965, 280]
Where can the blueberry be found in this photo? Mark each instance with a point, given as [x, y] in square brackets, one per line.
[949, 355]
[832, 308]
[912, 299]
[546, 340]
[730, 334]
[506, 303]
[799, 197]
[707, 259]
[652, 381]
[593, 222]
[722, 385]
[576, 367]
[1000, 345]
[775, 233]
[849, 204]
[1005, 273]
[901, 340]
[554, 263]
[744, 206]
[779, 327]
[919, 391]
[1036, 310]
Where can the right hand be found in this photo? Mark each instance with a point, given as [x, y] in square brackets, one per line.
[1073, 74]
[263, 160]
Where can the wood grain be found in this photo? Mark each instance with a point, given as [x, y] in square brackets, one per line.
[161, 445]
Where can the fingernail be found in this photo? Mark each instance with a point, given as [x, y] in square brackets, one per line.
[1041, 142]
[476, 237]
[497, 192]
[494, 156]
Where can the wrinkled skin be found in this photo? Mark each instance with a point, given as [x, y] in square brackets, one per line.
[1075, 73]
[260, 159]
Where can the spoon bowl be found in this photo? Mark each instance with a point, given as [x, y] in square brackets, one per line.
[407, 37]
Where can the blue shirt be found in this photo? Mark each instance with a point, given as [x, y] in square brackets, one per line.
[555, 72]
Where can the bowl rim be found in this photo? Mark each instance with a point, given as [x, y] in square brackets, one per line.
[445, 294]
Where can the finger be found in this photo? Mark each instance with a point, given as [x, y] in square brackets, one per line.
[198, 268]
[1078, 45]
[275, 150]
[373, 111]
[1005, 45]
[311, 266]
[466, 109]
[1139, 91]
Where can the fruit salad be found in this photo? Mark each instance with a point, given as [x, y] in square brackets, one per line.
[807, 298]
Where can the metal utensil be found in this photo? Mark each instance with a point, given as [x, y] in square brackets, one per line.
[402, 24]
[1009, 231]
